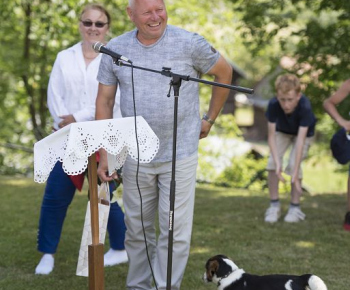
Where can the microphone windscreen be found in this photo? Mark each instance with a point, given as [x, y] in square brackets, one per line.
[97, 46]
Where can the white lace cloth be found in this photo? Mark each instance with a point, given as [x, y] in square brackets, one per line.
[74, 143]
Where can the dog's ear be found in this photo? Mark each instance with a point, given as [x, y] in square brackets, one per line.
[212, 269]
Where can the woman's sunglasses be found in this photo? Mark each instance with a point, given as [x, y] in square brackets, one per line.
[89, 23]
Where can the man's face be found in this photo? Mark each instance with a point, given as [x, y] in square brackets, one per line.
[288, 100]
[150, 18]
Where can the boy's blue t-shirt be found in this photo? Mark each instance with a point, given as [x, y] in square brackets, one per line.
[290, 123]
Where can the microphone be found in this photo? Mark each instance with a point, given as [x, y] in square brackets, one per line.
[99, 47]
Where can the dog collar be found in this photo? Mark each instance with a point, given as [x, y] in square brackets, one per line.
[228, 274]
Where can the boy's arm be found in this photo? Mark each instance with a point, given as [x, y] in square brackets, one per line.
[331, 103]
[271, 139]
[302, 132]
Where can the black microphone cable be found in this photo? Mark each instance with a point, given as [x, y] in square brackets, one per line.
[137, 175]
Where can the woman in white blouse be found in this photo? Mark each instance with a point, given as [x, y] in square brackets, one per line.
[72, 93]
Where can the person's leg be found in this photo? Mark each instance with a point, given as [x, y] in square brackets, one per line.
[185, 177]
[273, 183]
[59, 192]
[346, 224]
[116, 225]
[273, 213]
[139, 273]
[348, 195]
[294, 213]
[295, 194]
[116, 229]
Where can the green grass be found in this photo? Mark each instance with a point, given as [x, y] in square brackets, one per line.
[227, 221]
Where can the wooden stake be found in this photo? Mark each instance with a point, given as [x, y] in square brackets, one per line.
[95, 250]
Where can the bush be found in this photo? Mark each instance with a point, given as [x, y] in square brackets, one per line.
[246, 172]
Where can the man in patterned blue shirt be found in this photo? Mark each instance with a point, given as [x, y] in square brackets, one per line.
[154, 44]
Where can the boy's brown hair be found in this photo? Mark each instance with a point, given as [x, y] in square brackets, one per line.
[286, 83]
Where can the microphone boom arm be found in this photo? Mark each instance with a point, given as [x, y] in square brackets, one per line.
[167, 72]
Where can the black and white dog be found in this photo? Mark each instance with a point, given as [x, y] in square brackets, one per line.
[224, 272]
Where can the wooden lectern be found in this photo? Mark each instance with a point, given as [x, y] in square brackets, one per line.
[76, 145]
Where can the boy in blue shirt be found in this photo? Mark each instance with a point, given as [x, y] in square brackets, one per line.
[291, 122]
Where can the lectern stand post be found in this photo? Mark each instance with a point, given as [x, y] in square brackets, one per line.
[96, 270]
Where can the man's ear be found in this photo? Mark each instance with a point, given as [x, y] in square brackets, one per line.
[129, 11]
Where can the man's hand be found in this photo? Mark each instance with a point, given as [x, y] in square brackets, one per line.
[205, 129]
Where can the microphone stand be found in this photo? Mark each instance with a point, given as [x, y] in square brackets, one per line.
[176, 84]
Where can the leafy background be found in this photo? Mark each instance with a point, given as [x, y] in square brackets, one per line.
[254, 34]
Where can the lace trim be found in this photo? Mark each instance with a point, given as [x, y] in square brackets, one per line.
[74, 143]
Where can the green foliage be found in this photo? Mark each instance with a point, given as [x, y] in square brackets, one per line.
[32, 35]
[246, 172]
[13, 162]
[35, 31]
[226, 127]
[214, 150]
[226, 160]
[249, 172]
[252, 33]
[315, 33]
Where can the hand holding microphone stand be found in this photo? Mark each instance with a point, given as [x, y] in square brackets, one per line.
[175, 84]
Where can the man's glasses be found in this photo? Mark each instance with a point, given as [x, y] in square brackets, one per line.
[98, 24]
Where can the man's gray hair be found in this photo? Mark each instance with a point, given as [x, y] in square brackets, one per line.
[132, 3]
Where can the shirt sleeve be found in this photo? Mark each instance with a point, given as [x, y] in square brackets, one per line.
[105, 74]
[56, 91]
[203, 54]
[271, 112]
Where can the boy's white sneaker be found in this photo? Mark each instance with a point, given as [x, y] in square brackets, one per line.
[45, 265]
[294, 215]
[114, 257]
[272, 214]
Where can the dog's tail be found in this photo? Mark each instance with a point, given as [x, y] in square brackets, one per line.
[316, 283]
